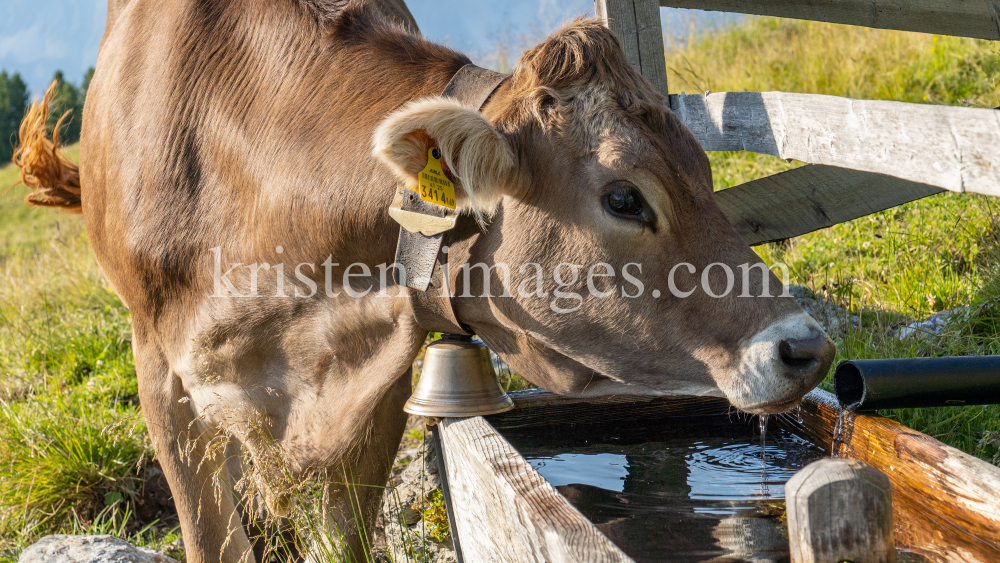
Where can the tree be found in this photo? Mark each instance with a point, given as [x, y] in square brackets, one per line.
[87, 77]
[13, 102]
[68, 98]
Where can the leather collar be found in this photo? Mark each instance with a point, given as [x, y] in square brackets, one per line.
[431, 299]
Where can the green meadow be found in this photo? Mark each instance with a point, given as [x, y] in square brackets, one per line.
[73, 445]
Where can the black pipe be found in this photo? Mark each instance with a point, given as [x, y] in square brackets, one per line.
[869, 385]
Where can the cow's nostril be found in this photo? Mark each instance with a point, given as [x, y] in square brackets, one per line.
[803, 354]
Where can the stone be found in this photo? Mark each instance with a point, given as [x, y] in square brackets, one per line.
[931, 326]
[402, 515]
[411, 515]
[832, 318]
[89, 549]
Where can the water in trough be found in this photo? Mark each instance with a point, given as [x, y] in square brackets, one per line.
[705, 489]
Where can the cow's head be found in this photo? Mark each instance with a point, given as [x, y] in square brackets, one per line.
[576, 161]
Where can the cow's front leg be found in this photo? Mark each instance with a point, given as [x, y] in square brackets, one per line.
[364, 472]
[209, 521]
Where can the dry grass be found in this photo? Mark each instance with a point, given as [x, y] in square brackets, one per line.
[839, 60]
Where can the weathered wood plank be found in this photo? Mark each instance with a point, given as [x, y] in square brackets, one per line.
[946, 503]
[965, 18]
[649, 31]
[636, 23]
[504, 510]
[809, 198]
[839, 510]
[954, 148]
[619, 17]
[538, 407]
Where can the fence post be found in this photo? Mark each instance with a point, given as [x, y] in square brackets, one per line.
[636, 23]
[840, 510]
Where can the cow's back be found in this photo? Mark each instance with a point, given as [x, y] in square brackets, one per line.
[245, 125]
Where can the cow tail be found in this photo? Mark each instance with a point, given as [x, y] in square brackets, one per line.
[55, 180]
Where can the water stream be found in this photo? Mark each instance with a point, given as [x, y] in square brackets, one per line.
[842, 432]
[763, 455]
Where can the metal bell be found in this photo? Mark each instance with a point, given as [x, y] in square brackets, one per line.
[457, 380]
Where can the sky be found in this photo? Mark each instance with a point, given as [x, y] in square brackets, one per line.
[38, 37]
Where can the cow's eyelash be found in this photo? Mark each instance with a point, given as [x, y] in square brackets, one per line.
[624, 201]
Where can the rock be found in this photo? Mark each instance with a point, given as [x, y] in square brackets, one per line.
[832, 318]
[89, 549]
[402, 517]
[411, 515]
[929, 327]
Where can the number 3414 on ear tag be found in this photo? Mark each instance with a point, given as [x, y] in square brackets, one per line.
[433, 185]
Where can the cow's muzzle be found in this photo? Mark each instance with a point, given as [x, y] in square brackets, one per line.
[779, 365]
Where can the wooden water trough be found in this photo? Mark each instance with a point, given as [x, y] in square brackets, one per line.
[946, 503]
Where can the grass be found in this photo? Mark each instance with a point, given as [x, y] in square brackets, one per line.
[839, 60]
[63, 459]
[436, 517]
[901, 264]
[73, 447]
[28, 228]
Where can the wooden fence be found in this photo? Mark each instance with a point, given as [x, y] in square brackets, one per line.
[964, 18]
[873, 154]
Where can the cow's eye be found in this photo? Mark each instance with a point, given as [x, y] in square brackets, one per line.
[624, 200]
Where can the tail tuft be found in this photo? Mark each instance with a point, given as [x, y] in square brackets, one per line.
[54, 179]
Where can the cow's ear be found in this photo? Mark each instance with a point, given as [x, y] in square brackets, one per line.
[479, 157]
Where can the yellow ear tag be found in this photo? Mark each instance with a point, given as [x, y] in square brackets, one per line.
[434, 186]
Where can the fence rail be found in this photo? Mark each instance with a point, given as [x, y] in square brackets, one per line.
[965, 18]
[809, 198]
[954, 148]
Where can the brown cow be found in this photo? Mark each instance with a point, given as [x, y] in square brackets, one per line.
[238, 132]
